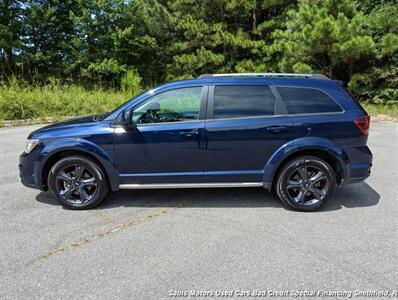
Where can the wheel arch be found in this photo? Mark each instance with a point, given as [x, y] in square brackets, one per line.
[323, 148]
[50, 155]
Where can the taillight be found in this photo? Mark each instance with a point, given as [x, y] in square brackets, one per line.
[363, 124]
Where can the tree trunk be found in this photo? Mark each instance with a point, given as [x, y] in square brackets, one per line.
[255, 15]
[350, 69]
[9, 59]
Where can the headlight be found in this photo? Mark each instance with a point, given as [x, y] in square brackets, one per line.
[30, 145]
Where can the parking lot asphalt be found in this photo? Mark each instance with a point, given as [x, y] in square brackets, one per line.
[161, 243]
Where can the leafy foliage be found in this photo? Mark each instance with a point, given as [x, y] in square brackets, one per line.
[130, 83]
[119, 44]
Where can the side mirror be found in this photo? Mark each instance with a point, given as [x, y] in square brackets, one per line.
[125, 118]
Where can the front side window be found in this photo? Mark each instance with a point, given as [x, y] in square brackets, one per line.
[307, 101]
[243, 101]
[172, 106]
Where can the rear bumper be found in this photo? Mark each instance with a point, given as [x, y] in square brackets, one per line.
[358, 174]
[361, 164]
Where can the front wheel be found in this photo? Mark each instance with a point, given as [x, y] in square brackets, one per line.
[77, 182]
[305, 183]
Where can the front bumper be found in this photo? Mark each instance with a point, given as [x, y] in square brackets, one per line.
[27, 171]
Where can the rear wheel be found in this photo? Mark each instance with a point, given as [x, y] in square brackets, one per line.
[305, 183]
[77, 182]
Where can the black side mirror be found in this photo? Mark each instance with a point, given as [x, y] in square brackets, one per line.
[125, 118]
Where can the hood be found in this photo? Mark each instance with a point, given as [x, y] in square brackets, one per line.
[75, 122]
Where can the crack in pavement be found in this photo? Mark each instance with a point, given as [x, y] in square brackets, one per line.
[108, 219]
[90, 238]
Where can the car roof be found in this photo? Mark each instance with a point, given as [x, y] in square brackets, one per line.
[293, 81]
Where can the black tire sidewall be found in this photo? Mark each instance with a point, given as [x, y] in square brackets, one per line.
[294, 164]
[102, 185]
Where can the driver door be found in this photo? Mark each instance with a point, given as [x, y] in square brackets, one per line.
[165, 144]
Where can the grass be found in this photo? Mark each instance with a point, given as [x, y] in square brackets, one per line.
[380, 109]
[57, 101]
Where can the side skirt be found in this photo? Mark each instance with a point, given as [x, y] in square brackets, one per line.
[190, 185]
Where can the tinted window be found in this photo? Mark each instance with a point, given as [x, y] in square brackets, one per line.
[243, 101]
[171, 106]
[307, 100]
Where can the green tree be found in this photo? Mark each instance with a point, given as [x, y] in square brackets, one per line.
[379, 81]
[10, 35]
[49, 31]
[222, 35]
[93, 56]
[142, 39]
[324, 36]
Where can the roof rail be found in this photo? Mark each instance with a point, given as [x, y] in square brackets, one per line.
[315, 76]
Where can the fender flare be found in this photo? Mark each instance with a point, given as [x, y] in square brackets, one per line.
[300, 144]
[79, 145]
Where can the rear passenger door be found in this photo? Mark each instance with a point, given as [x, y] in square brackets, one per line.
[244, 126]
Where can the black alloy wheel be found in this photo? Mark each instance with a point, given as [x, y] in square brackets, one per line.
[77, 182]
[305, 183]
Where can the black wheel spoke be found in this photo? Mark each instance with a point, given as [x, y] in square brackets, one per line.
[300, 197]
[83, 195]
[88, 182]
[293, 184]
[65, 177]
[303, 171]
[68, 191]
[317, 177]
[318, 194]
[79, 170]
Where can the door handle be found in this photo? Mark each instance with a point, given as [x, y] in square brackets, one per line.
[190, 134]
[305, 128]
[277, 129]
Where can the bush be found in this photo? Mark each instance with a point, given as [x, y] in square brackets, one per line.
[378, 86]
[130, 83]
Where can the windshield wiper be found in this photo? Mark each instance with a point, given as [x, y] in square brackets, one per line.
[100, 117]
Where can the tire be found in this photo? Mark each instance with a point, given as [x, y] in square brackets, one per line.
[77, 182]
[305, 183]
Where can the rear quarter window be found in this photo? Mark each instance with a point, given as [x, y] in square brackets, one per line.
[307, 101]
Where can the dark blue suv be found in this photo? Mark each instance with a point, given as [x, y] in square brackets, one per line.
[298, 134]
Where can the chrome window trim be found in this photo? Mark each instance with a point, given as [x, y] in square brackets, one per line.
[242, 118]
[262, 74]
[171, 123]
[273, 116]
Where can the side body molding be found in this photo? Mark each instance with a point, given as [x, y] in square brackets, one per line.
[82, 145]
[300, 144]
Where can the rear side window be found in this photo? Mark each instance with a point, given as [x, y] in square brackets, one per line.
[307, 101]
[243, 101]
[354, 99]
